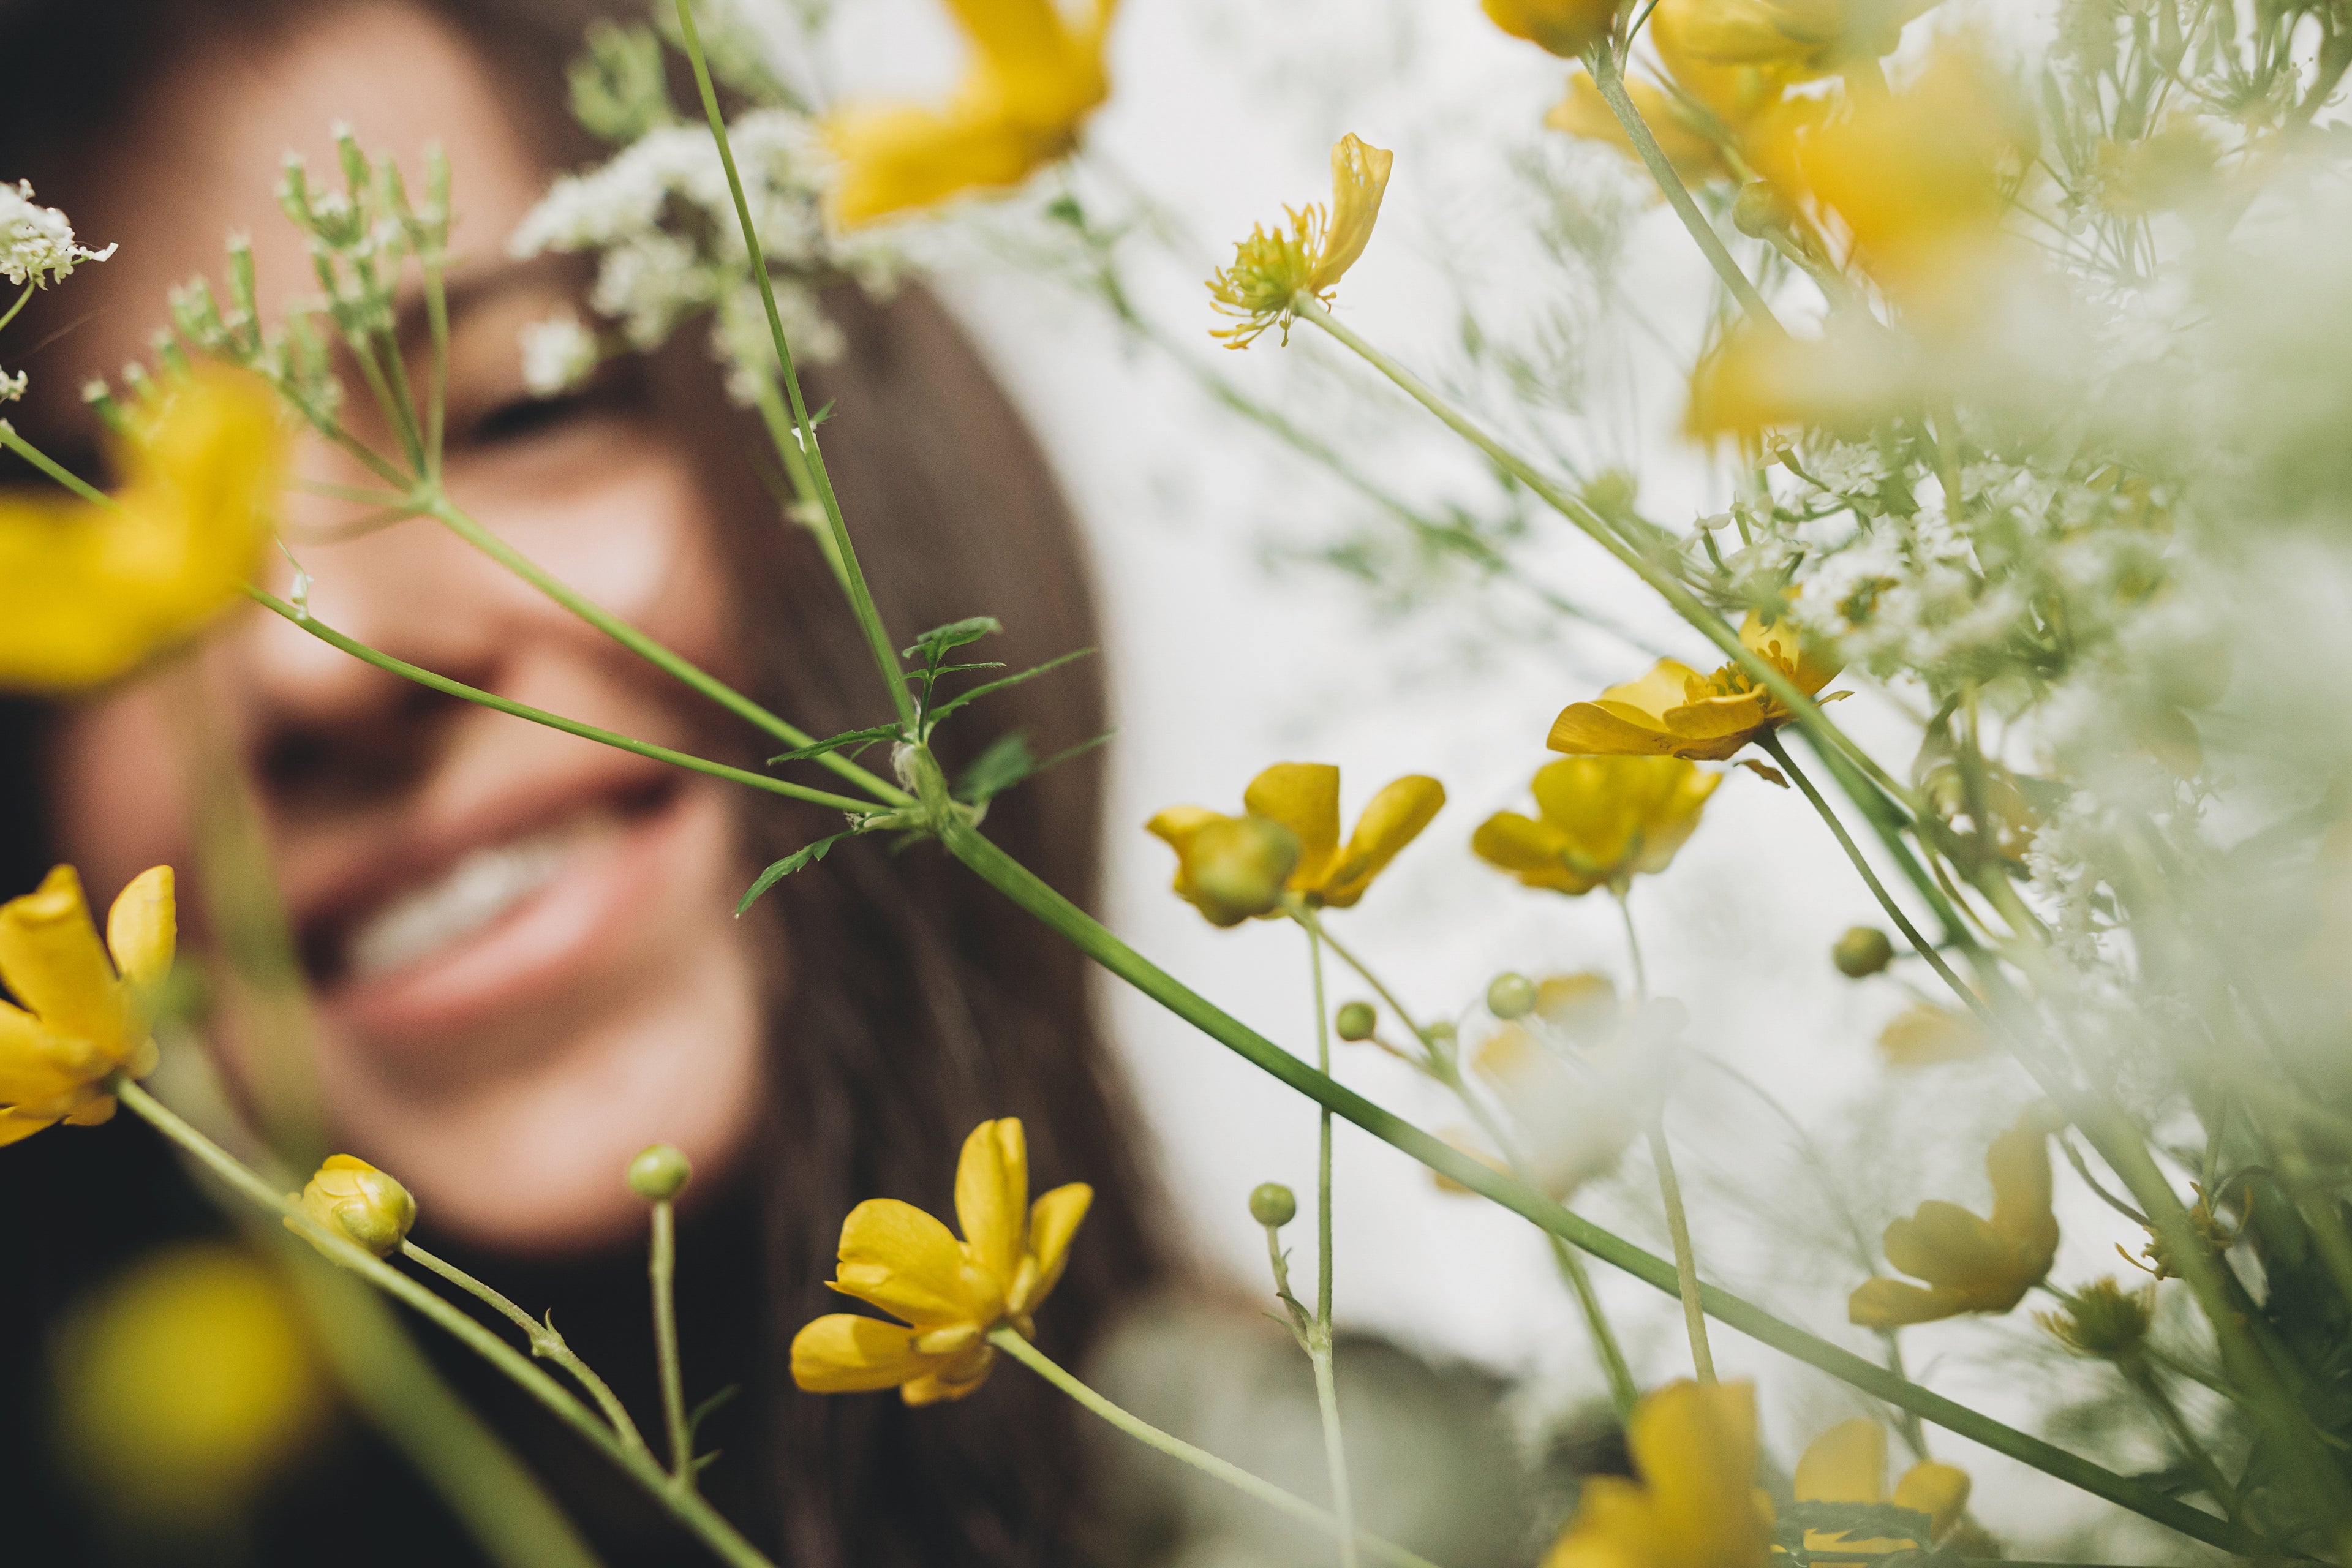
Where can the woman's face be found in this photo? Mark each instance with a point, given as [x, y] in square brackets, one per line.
[521, 941]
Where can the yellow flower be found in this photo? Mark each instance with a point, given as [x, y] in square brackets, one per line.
[89, 591]
[1841, 382]
[1289, 841]
[1695, 1504]
[1848, 1463]
[1231, 868]
[1927, 1035]
[1271, 271]
[355, 1200]
[1971, 1265]
[1034, 78]
[1806, 36]
[949, 1293]
[1712, 104]
[1604, 819]
[80, 1017]
[1675, 711]
[184, 1387]
[1566, 27]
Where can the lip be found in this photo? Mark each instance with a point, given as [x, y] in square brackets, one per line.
[548, 944]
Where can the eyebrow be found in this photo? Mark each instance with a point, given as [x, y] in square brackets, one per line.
[471, 285]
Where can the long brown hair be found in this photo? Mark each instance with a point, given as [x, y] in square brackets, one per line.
[909, 1001]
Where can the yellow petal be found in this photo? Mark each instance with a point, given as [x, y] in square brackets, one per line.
[991, 1196]
[1360, 177]
[15, 1129]
[38, 1064]
[1615, 1526]
[1585, 113]
[1394, 819]
[1806, 660]
[1531, 850]
[1924, 1035]
[1885, 1303]
[897, 1258]
[2019, 1163]
[1305, 798]
[50, 958]
[1053, 1223]
[1696, 1449]
[1943, 1244]
[959, 1377]
[1940, 1491]
[897, 158]
[842, 1352]
[1563, 27]
[1845, 1464]
[142, 927]
[1589, 729]
[1659, 689]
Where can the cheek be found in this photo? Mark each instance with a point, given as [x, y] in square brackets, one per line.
[118, 791]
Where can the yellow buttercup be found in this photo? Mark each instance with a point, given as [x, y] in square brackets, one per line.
[1675, 711]
[1272, 270]
[1694, 1502]
[1601, 820]
[84, 1009]
[1971, 1264]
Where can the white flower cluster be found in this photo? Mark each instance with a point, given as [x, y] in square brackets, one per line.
[36, 243]
[2061, 875]
[661, 219]
[557, 354]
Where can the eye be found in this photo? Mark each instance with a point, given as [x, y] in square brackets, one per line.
[522, 417]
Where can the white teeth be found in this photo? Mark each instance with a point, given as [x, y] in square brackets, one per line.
[464, 898]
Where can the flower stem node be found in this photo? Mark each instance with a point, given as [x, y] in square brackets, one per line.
[1272, 1205]
[1356, 1021]
[355, 1200]
[1511, 995]
[659, 1174]
[1862, 951]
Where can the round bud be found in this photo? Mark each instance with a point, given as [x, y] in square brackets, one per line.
[1272, 1204]
[659, 1174]
[1238, 867]
[356, 1201]
[1758, 210]
[1510, 996]
[1862, 951]
[1356, 1021]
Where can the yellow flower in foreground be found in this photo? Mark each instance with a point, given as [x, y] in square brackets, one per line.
[185, 1385]
[949, 1293]
[1686, 144]
[1271, 271]
[1566, 27]
[1848, 1463]
[1604, 819]
[80, 1017]
[1675, 711]
[1807, 37]
[1034, 77]
[1971, 1265]
[1231, 868]
[355, 1200]
[1695, 1504]
[89, 591]
[1711, 105]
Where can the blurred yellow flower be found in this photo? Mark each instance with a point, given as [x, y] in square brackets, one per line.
[1848, 1463]
[1270, 271]
[355, 1200]
[1698, 108]
[1566, 27]
[1034, 77]
[1803, 37]
[1686, 143]
[1604, 819]
[1927, 1035]
[183, 1386]
[1695, 1504]
[1675, 711]
[1231, 868]
[80, 1017]
[1305, 798]
[90, 592]
[1971, 1265]
[949, 1293]
[1841, 382]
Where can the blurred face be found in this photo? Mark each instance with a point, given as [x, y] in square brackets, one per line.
[521, 942]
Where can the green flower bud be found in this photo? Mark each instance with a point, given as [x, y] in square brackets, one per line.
[1510, 996]
[1239, 865]
[659, 1174]
[2104, 1320]
[1272, 1204]
[1862, 951]
[1759, 211]
[1356, 1021]
[355, 1200]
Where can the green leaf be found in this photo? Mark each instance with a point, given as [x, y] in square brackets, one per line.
[1006, 763]
[933, 716]
[939, 640]
[835, 743]
[711, 1407]
[799, 860]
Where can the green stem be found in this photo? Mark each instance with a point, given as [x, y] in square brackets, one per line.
[1686, 1284]
[1083, 932]
[688, 1509]
[545, 1342]
[781, 436]
[861, 597]
[1175, 1447]
[22, 295]
[442, 683]
[1602, 65]
[663, 1270]
[2208, 1474]
[49, 466]
[1319, 1344]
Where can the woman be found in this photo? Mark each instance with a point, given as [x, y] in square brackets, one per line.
[521, 944]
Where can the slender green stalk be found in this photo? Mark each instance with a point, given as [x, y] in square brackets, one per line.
[783, 436]
[688, 1507]
[442, 683]
[1208, 1464]
[861, 597]
[49, 466]
[23, 295]
[663, 1270]
[2209, 1475]
[1606, 76]
[1318, 1345]
[1075, 925]
[545, 1342]
[1670, 1189]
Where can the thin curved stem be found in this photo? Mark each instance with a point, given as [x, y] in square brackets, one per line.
[662, 1269]
[1318, 1343]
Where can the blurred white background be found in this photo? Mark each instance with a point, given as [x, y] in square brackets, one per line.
[1228, 654]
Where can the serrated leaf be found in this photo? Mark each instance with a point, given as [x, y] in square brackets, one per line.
[932, 717]
[798, 861]
[835, 743]
[954, 634]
